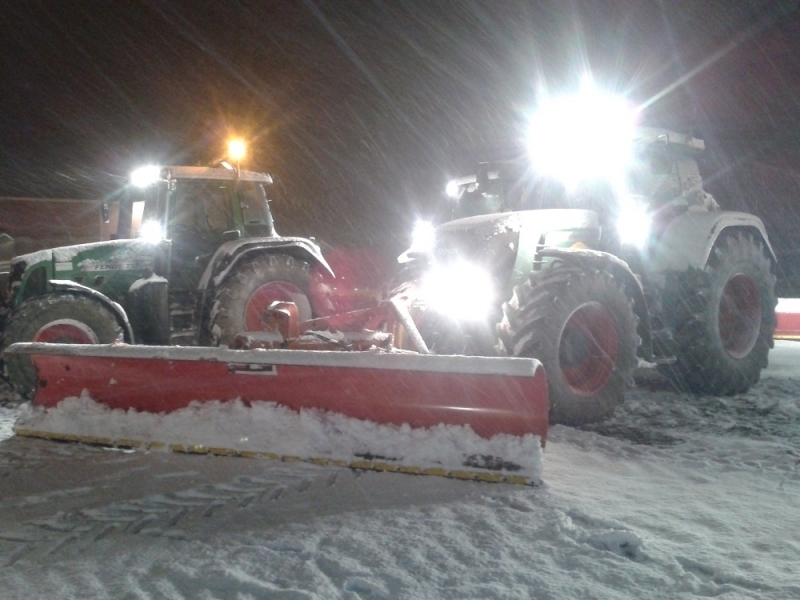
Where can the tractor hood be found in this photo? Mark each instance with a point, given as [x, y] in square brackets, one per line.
[107, 267]
[490, 253]
[91, 256]
[533, 222]
[486, 237]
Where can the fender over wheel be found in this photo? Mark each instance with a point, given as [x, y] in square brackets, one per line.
[56, 318]
[258, 282]
[581, 326]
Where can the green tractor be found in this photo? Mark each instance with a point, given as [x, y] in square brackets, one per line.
[196, 260]
[592, 276]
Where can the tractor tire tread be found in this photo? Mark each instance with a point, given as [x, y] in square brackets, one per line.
[533, 320]
[703, 365]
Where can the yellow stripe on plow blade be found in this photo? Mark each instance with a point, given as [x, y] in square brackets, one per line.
[360, 464]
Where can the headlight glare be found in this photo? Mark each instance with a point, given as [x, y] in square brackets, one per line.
[582, 137]
[145, 176]
[452, 189]
[633, 224]
[423, 237]
[460, 290]
[151, 231]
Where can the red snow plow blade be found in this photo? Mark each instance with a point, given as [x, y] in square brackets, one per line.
[467, 417]
[787, 314]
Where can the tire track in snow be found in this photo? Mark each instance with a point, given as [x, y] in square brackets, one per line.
[184, 514]
[707, 581]
[752, 431]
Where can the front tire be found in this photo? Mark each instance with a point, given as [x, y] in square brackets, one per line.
[56, 318]
[252, 288]
[581, 326]
[725, 318]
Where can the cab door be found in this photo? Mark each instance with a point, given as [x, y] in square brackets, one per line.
[199, 216]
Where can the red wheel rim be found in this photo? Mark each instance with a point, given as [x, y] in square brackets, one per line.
[739, 315]
[66, 331]
[588, 349]
[264, 296]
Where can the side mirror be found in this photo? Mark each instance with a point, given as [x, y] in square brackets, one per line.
[487, 172]
[6, 246]
[233, 234]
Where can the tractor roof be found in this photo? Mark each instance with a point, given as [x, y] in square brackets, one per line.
[664, 137]
[222, 173]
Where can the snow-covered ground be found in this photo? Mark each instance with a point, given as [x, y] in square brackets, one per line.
[675, 497]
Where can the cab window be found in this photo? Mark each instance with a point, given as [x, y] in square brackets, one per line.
[203, 205]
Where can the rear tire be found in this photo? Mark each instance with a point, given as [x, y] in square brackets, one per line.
[252, 288]
[581, 326]
[58, 318]
[725, 318]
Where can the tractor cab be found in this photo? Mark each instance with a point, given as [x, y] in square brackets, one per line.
[204, 200]
[493, 188]
[189, 212]
[661, 180]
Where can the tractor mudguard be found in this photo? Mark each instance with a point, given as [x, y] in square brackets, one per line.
[688, 240]
[604, 261]
[229, 254]
[66, 285]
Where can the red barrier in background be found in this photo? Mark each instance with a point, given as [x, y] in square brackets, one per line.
[788, 317]
[361, 277]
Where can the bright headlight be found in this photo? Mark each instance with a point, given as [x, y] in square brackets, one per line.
[423, 237]
[633, 224]
[460, 290]
[151, 231]
[579, 137]
[144, 176]
[452, 188]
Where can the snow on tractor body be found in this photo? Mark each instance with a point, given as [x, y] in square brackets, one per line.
[590, 280]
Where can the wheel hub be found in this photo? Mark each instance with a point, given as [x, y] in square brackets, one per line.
[264, 296]
[66, 331]
[588, 349]
[739, 315]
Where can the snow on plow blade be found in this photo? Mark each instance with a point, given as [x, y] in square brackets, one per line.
[467, 417]
[787, 314]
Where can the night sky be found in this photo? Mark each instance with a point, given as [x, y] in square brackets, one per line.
[364, 110]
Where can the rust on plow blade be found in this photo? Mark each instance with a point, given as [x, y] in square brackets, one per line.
[787, 315]
[468, 417]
